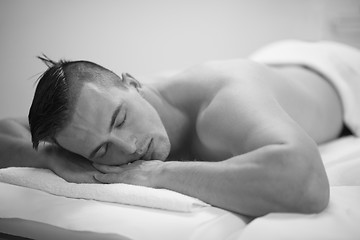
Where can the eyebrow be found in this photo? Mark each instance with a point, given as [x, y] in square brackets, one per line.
[112, 122]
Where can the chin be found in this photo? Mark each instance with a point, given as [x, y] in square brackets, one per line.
[161, 149]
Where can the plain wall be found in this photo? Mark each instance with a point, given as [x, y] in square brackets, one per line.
[144, 37]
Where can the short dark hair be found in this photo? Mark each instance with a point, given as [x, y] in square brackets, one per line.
[56, 92]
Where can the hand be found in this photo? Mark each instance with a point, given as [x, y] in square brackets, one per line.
[70, 166]
[143, 173]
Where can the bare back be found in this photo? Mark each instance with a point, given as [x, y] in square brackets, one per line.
[310, 99]
[237, 106]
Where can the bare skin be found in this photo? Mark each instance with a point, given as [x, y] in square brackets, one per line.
[245, 133]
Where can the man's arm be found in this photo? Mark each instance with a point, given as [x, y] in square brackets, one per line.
[16, 151]
[253, 184]
[276, 166]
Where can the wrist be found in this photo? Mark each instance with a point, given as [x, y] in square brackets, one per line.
[155, 173]
[157, 180]
[165, 175]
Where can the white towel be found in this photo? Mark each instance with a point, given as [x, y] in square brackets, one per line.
[339, 63]
[46, 180]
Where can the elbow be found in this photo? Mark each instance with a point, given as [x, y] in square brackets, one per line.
[291, 179]
[307, 182]
[311, 201]
[315, 193]
[315, 202]
[298, 180]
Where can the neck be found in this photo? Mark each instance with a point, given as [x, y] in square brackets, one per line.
[175, 121]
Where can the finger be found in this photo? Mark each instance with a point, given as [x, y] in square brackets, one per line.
[132, 165]
[87, 178]
[107, 168]
[92, 180]
[80, 178]
[95, 180]
[108, 177]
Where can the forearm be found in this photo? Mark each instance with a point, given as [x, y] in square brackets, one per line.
[252, 184]
[16, 151]
[222, 185]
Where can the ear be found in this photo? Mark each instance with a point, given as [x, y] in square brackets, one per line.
[130, 80]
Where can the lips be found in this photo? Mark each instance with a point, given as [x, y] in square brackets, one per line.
[148, 152]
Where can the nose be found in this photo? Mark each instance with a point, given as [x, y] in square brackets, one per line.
[127, 146]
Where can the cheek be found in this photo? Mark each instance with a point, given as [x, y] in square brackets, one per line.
[145, 117]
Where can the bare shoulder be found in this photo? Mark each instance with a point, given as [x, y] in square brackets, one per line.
[18, 126]
[19, 120]
[198, 84]
[23, 121]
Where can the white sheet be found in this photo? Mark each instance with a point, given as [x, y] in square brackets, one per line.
[342, 161]
[341, 219]
[114, 221]
[23, 210]
[339, 63]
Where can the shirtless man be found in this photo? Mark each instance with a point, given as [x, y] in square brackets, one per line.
[237, 134]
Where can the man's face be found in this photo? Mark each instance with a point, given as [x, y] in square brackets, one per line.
[114, 126]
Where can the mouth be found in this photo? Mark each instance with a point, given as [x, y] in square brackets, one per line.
[148, 154]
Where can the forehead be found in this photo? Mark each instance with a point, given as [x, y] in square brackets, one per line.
[91, 117]
[93, 98]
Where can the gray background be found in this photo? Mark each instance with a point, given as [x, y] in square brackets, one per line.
[145, 37]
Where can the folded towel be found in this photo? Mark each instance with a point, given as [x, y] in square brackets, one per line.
[339, 63]
[46, 180]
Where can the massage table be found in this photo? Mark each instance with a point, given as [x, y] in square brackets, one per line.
[31, 208]
[30, 213]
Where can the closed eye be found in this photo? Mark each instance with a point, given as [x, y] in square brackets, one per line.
[121, 123]
[102, 151]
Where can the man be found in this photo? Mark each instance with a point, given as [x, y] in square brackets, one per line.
[237, 134]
